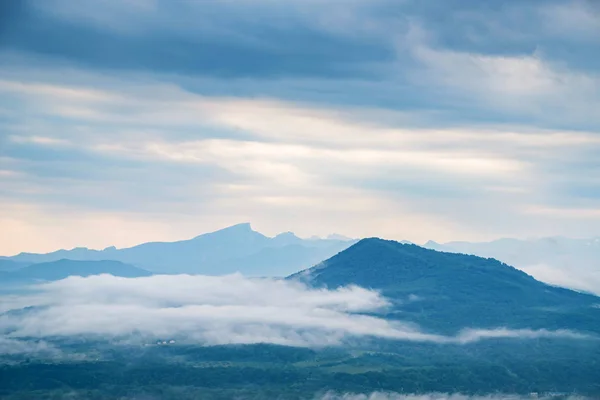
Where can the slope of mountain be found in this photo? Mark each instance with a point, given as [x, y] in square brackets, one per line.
[61, 269]
[9, 265]
[446, 292]
[281, 261]
[234, 249]
[573, 263]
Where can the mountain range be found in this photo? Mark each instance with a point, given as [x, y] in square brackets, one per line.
[572, 263]
[442, 292]
[446, 294]
[61, 269]
[234, 249]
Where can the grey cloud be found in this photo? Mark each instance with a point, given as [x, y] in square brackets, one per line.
[215, 38]
[563, 31]
[349, 41]
[354, 57]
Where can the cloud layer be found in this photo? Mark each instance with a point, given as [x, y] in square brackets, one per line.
[217, 310]
[436, 396]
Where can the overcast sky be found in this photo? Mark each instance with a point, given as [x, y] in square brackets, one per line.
[123, 121]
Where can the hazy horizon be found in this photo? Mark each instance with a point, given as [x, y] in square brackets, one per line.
[327, 236]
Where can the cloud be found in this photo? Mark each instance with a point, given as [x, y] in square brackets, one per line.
[578, 275]
[145, 149]
[571, 263]
[218, 310]
[219, 38]
[473, 335]
[435, 396]
[172, 119]
[10, 346]
[519, 84]
[578, 19]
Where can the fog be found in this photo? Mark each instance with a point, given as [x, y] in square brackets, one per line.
[212, 310]
[14, 346]
[438, 396]
[581, 277]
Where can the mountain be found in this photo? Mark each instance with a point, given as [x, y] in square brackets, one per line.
[573, 263]
[337, 236]
[61, 269]
[234, 249]
[446, 292]
[9, 265]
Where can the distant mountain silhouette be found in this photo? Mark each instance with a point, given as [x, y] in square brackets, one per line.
[573, 263]
[234, 249]
[9, 265]
[447, 291]
[61, 269]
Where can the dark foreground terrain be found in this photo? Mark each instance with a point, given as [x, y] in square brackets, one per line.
[103, 371]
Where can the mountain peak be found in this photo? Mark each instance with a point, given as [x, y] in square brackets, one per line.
[286, 238]
[286, 235]
[380, 263]
[241, 228]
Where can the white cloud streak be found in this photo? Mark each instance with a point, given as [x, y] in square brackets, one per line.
[218, 310]
[14, 346]
[578, 275]
[435, 396]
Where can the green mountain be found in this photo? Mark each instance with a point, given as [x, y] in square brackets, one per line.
[446, 292]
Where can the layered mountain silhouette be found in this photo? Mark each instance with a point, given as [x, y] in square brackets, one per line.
[61, 269]
[574, 263]
[9, 265]
[446, 292]
[235, 249]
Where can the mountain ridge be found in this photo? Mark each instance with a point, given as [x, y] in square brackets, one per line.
[61, 269]
[237, 248]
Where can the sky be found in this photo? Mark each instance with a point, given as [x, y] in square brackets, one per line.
[125, 121]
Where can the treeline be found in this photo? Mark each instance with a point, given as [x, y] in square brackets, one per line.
[118, 379]
[272, 372]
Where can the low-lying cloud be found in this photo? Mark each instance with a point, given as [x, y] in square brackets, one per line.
[15, 346]
[437, 396]
[214, 310]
